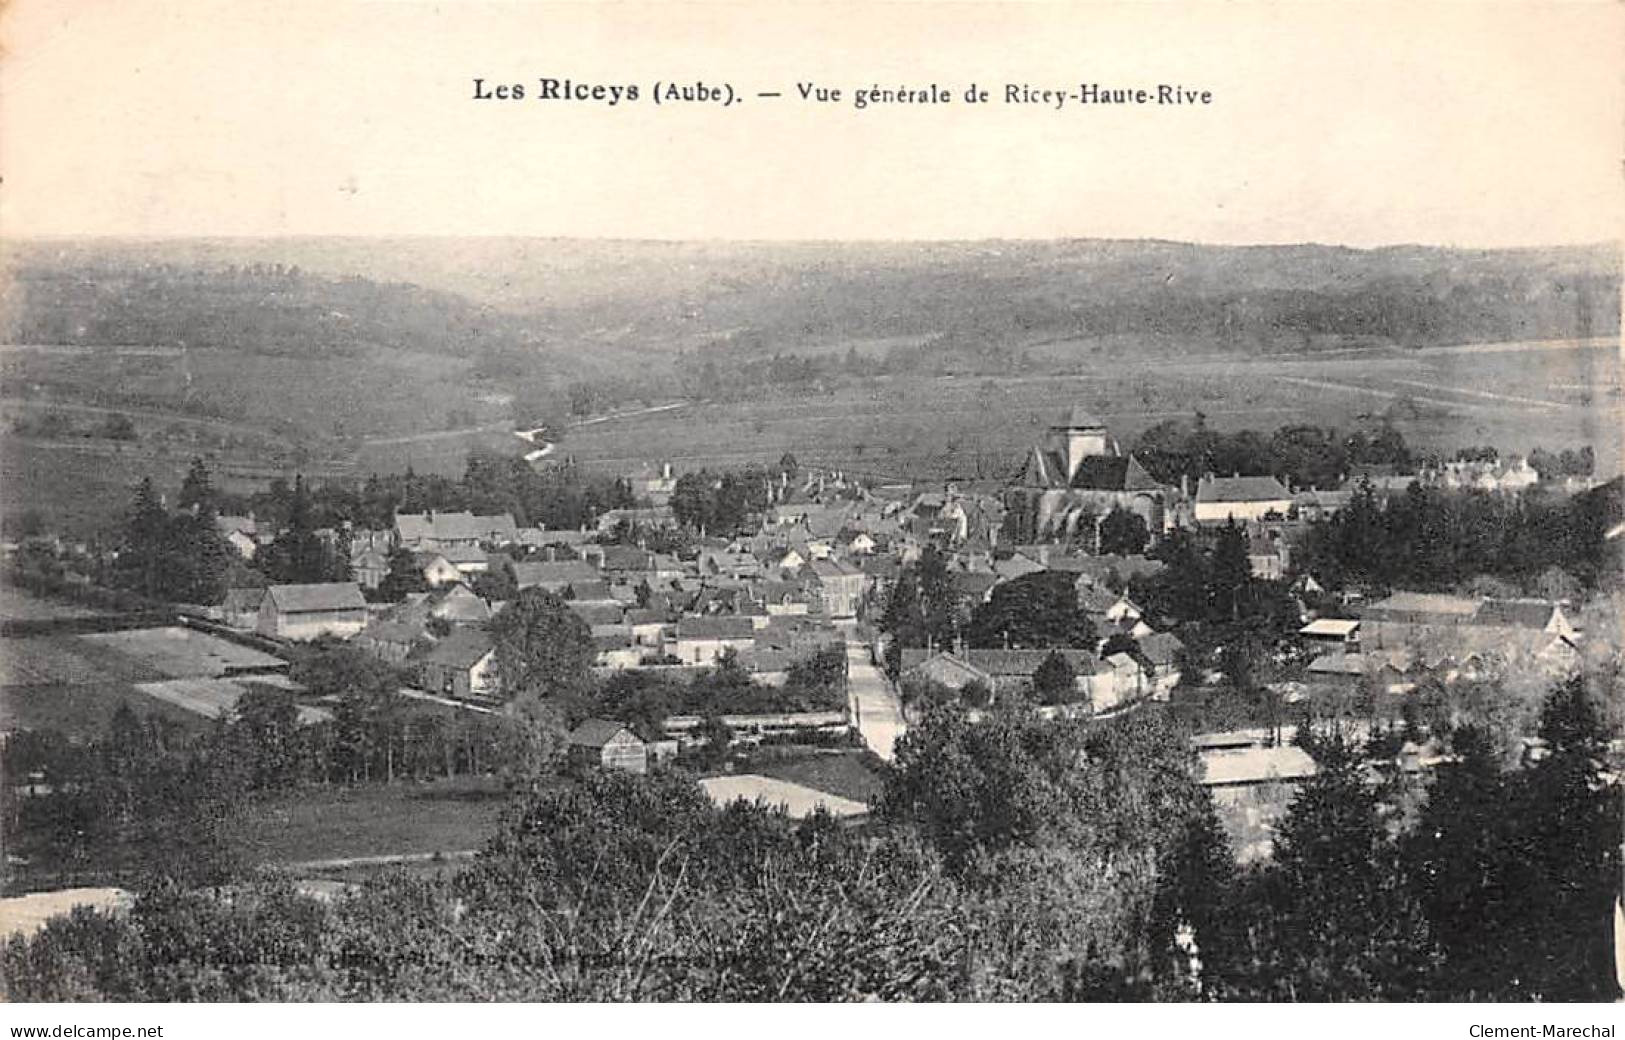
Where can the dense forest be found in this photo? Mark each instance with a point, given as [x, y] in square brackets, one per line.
[725, 318]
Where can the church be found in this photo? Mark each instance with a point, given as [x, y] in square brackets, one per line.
[1077, 475]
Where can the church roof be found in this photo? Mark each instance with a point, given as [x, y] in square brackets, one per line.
[1094, 472]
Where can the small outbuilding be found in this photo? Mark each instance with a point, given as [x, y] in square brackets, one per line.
[608, 745]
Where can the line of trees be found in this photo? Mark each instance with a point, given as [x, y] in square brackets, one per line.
[560, 496]
[1437, 539]
[1304, 455]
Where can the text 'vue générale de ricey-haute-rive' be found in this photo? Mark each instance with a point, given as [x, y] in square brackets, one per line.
[724, 93]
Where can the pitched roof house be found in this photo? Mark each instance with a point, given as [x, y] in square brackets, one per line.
[1241, 498]
[462, 665]
[554, 577]
[442, 530]
[605, 744]
[304, 612]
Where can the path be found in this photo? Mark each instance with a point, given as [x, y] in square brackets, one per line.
[875, 707]
[387, 860]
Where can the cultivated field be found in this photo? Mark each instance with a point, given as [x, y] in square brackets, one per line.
[907, 428]
[177, 652]
[75, 683]
[68, 684]
[217, 698]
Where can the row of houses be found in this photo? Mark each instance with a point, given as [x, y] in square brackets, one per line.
[1411, 637]
[1100, 683]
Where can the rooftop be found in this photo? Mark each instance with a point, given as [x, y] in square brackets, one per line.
[1255, 765]
[295, 599]
[1241, 489]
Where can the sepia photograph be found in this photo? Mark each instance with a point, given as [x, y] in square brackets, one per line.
[982, 503]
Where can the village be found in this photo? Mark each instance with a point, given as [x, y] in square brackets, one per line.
[816, 571]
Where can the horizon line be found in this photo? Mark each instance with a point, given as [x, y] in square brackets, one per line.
[1600, 243]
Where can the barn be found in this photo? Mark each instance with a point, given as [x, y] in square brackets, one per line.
[305, 612]
[609, 745]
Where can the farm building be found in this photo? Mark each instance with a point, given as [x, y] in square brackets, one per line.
[390, 641]
[1251, 787]
[554, 576]
[470, 560]
[241, 608]
[609, 745]
[457, 604]
[1103, 684]
[942, 668]
[448, 530]
[1160, 654]
[1239, 498]
[1331, 635]
[304, 612]
[462, 665]
[701, 640]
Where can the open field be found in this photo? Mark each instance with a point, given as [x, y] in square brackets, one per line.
[21, 605]
[797, 800]
[217, 698]
[910, 428]
[379, 391]
[321, 823]
[313, 824]
[73, 685]
[843, 774]
[921, 427]
[178, 652]
[82, 487]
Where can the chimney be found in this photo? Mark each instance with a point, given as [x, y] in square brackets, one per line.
[1043, 555]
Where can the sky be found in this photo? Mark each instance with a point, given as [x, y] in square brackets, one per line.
[1467, 124]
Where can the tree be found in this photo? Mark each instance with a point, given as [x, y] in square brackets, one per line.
[716, 736]
[544, 650]
[181, 558]
[1123, 532]
[1054, 681]
[1179, 590]
[146, 526]
[1566, 855]
[197, 493]
[402, 577]
[1457, 861]
[922, 607]
[265, 738]
[1230, 575]
[299, 555]
[497, 584]
[1036, 611]
[1332, 918]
